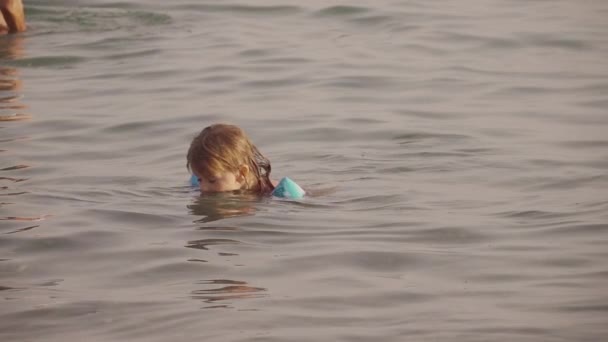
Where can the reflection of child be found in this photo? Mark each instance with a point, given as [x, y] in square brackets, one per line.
[12, 19]
[223, 158]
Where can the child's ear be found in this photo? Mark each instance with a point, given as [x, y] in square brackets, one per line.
[244, 172]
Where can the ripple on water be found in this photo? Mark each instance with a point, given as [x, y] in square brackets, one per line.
[585, 144]
[576, 230]
[374, 20]
[133, 54]
[274, 83]
[15, 167]
[339, 11]
[430, 114]
[597, 104]
[205, 243]
[13, 179]
[560, 41]
[480, 41]
[240, 9]
[572, 182]
[366, 298]
[535, 215]
[15, 219]
[47, 62]
[24, 229]
[93, 19]
[369, 261]
[112, 319]
[223, 289]
[362, 82]
[125, 217]
[75, 242]
[413, 137]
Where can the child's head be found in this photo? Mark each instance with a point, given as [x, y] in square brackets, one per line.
[224, 159]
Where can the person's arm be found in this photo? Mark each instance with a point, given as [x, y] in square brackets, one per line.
[13, 18]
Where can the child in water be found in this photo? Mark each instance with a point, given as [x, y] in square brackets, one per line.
[222, 158]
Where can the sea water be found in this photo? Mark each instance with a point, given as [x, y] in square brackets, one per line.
[466, 143]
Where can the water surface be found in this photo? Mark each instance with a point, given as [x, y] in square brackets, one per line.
[466, 142]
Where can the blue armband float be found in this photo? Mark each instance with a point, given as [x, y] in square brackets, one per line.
[288, 189]
[194, 181]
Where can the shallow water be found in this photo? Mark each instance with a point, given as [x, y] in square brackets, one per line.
[466, 141]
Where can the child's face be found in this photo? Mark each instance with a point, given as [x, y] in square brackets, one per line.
[220, 182]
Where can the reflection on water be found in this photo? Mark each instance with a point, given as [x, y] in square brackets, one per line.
[224, 289]
[205, 243]
[11, 109]
[213, 207]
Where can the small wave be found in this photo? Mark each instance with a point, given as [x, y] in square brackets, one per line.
[129, 216]
[599, 104]
[596, 229]
[408, 138]
[92, 19]
[13, 140]
[117, 4]
[273, 83]
[71, 242]
[47, 62]
[342, 11]
[589, 307]
[15, 167]
[241, 9]
[573, 182]
[205, 243]
[12, 179]
[428, 114]
[482, 42]
[22, 218]
[534, 214]
[15, 193]
[133, 54]
[373, 20]
[22, 229]
[556, 42]
[585, 144]
[376, 261]
[361, 82]
[282, 61]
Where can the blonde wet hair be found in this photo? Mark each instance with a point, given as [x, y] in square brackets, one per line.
[225, 148]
